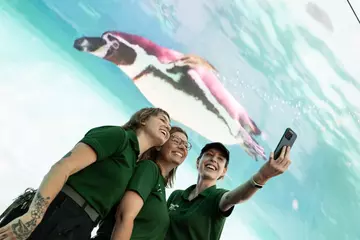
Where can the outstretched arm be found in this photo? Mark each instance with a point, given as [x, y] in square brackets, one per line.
[242, 193]
[245, 191]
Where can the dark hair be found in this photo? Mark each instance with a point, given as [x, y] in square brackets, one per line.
[153, 153]
[142, 115]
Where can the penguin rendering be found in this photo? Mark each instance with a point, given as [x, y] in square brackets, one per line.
[185, 85]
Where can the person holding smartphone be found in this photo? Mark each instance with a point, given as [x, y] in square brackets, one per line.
[82, 187]
[200, 211]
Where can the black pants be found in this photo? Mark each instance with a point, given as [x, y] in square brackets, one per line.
[64, 220]
[106, 226]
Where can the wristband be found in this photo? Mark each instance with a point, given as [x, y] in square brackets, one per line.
[255, 184]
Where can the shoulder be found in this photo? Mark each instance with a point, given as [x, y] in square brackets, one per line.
[220, 191]
[105, 140]
[145, 178]
[148, 164]
[176, 193]
[218, 194]
[106, 130]
[180, 192]
[146, 170]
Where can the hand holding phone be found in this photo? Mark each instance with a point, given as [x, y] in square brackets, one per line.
[288, 139]
[275, 166]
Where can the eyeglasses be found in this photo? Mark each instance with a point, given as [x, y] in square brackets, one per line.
[178, 141]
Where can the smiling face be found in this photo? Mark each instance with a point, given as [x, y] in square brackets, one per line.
[175, 150]
[157, 128]
[212, 165]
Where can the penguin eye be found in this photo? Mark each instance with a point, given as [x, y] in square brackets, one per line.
[111, 38]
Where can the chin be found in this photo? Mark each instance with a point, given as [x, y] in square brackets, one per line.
[161, 142]
[178, 163]
[208, 176]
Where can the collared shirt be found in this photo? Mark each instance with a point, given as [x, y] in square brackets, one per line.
[103, 183]
[152, 221]
[198, 219]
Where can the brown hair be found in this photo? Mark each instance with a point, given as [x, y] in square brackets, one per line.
[153, 153]
[142, 115]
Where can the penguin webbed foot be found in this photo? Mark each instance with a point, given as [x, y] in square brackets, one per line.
[251, 146]
[250, 126]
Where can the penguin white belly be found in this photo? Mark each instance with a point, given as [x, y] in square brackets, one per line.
[185, 109]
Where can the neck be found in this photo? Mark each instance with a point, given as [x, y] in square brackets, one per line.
[144, 142]
[203, 184]
[165, 167]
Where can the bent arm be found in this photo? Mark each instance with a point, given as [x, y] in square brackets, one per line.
[77, 159]
[138, 190]
[241, 193]
[128, 209]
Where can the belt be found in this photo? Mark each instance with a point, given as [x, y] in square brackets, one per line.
[91, 212]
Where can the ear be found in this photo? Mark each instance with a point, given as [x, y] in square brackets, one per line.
[142, 123]
[224, 173]
[158, 148]
[197, 163]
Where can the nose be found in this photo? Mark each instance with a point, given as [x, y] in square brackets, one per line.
[213, 159]
[182, 146]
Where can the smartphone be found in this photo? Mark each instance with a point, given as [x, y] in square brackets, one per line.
[287, 139]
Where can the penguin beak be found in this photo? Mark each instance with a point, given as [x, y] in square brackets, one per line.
[89, 44]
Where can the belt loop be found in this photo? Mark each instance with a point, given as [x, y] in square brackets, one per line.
[84, 205]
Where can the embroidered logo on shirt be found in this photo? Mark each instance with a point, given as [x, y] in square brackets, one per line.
[173, 207]
[159, 189]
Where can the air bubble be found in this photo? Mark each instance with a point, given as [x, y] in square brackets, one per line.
[295, 204]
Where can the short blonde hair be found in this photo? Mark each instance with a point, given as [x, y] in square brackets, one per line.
[141, 116]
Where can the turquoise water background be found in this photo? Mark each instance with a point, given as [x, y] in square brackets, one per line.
[286, 69]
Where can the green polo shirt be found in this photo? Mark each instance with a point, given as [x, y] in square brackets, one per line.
[200, 218]
[153, 220]
[103, 183]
